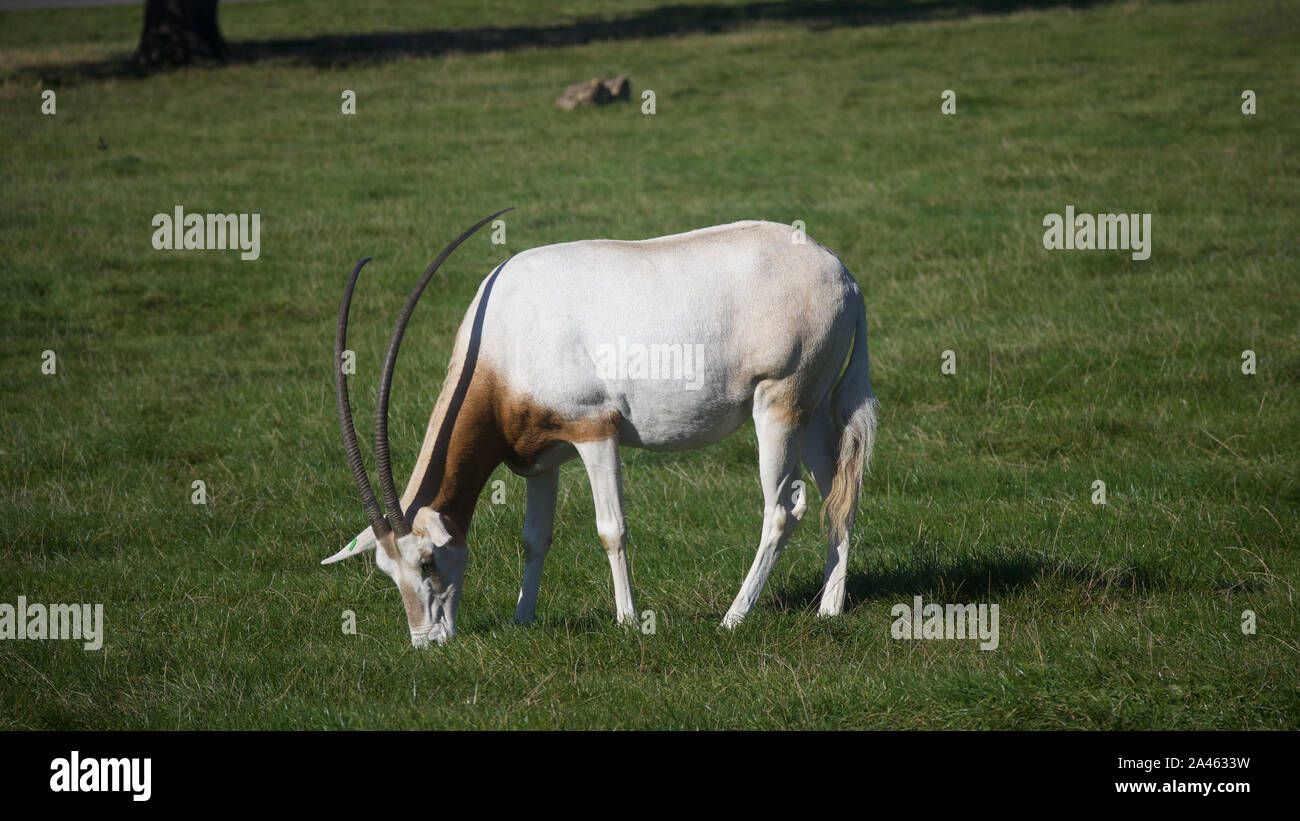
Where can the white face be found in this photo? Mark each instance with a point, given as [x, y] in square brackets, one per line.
[427, 566]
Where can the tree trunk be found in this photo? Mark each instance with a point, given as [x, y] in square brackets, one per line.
[179, 32]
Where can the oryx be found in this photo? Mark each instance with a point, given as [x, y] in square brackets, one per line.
[781, 332]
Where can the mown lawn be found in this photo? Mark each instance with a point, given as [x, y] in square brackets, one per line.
[1072, 367]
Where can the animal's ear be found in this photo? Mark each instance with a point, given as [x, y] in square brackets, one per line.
[441, 530]
[363, 543]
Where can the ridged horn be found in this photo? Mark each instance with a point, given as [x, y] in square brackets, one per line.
[377, 520]
[383, 463]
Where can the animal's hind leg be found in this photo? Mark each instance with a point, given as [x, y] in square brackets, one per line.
[779, 444]
[821, 445]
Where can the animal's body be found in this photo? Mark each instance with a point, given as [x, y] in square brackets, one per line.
[765, 322]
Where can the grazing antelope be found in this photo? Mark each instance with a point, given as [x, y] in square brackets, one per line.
[775, 318]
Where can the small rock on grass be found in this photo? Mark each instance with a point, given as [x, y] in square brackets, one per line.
[595, 91]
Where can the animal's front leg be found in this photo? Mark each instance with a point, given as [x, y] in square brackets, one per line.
[539, 523]
[605, 472]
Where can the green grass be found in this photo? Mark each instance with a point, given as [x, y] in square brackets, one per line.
[1072, 367]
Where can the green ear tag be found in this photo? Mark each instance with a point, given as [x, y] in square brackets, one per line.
[352, 545]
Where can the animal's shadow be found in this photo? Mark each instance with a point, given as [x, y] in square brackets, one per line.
[948, 581]
[970, 579]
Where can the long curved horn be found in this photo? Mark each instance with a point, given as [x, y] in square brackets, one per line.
[382, 461]
[377, 520]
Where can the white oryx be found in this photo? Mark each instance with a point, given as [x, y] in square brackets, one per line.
[775, 319]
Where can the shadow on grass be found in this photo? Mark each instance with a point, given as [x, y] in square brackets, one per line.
[970, 579]
[663, 21]
[980, 579]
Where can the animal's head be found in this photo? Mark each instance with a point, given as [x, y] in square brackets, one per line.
[427, 565]
[422, 551]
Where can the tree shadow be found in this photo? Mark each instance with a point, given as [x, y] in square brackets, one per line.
[976, 578]
[334, 50]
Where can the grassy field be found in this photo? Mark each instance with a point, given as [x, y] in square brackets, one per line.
[1071, 366]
